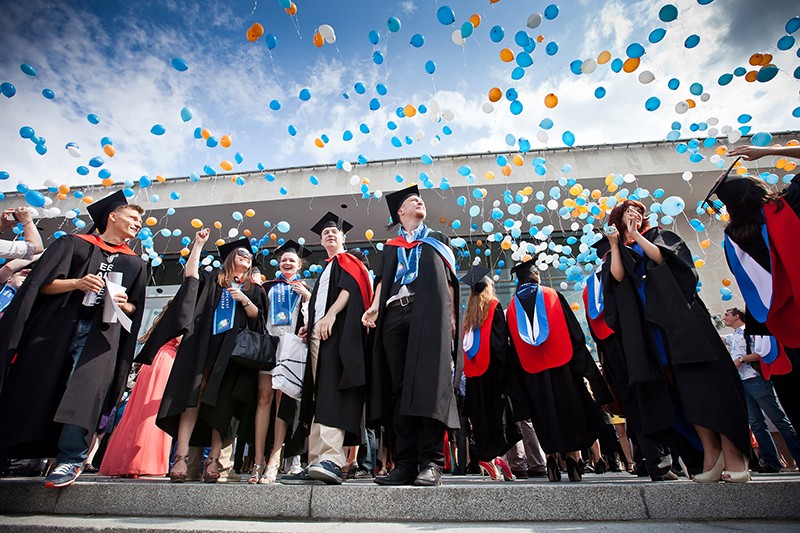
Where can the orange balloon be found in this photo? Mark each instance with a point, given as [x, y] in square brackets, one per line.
[218, 224]
[539, 38]
[63, 188]
[257, 29]
[250, 35]
[291, 10]
[246, 233]
[490, 175]
[318, 40]
[691, 103]
[604, 57]
[88, 200]
[226, 165]
[756, 59]
[493, 1]
[150, 221]
[184, 252]
[61, 196]
[108, 182]
[220, 242]
[442, 220]
[766, 60]
[319, 142]
[273, 237]
[205, 134]
[631, 64]
[506, 55]
[475, 19]
[551, 100]
[196, 223]
[161, 179]
[705, 244]
[575, 306]
[751, 76]
[495, 94]
[518, 160]
[250, 213]
[506, 170]
[225, 141]
[409, 110]
[109, 150]
[789, 166]
[726, 282]
[479, 242]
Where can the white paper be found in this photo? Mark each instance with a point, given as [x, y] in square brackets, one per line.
[112, 312]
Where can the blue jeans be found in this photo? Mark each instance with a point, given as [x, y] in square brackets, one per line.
[761, 397]
[72, 442]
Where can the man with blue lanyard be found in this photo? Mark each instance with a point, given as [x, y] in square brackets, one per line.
[416, 319]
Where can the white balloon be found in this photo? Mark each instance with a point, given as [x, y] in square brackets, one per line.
[542, 136]
[705, 97]
[487, 107]
[73, 149]
[646, 77]
[725, 130]
[534, 20]
[574, 226]
[734, 136]
[588, 66]
[354, 179]
[687, 176]
[457, 38]
[434, 106]
[628, 178]
[712, 121]
[419, 135]
[448, 115]
[50, 183]
[435, 141]
[681, 107]
[347, 166]
[378, 194]
[326, 30]
[552, 205]
[233, 232]
[496, 203]
[48, 200]
[712, 132]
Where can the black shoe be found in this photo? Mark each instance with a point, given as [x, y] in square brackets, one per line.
[600, 466]
[459, 471]
[396, 477]
[300, 479]
[574, 469]
[553, 472]
[520, 474]
[326, 471]
[669, 476]
[537, 473]
[363, 474]
[430, 476]
[768, 469]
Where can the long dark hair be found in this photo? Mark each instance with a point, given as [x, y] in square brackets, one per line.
[746, 215]
[227, 276]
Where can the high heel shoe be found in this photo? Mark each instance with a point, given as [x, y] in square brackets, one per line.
[504, 469]
[256, 474]
[738, 477]
[210, 476]
[573, 469]
[488, 469]
[553, 472]
[179, 477]
[713, 475]
[269, 475]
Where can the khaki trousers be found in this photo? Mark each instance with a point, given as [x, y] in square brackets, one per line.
[325, 443]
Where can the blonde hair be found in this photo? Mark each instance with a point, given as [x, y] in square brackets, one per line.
[226, 275]
[478, 306]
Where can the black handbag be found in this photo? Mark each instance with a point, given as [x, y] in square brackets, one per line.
[254, 350]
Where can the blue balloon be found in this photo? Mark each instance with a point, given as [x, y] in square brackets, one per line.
[363, 128]
[35, 198]
[551, 12]
[696, 89]
[145, 182]
[545, 124]
[635, 50]
[23, 189]
[524, 59]
[762, 138]
[374, 104]
[466, 29]
[7, 89]
[158, 129]
[82, 170]
[568, 137]
[511, 94]
[212, 142]
[304, 95]
[497, 33]
[672, 206]
[668, 13]
[521, 38]
[616, 64]
[92, 118]
[359, 87]
[198, 133]
[96, 162]
[551, 49]
[518, 73]
[314, 180]
[292, 130]
[26, 132]
[374, 37]
[516, 107]
[396, 142]
[179, 64]
[4, 175]
[657, 35]
[445, 15]
[105, 141]
[575, 66]
[692, 41]
[175, 195]
[394, 24]
[104, 173]
[792, 25]
[377, 57]
[725, 79]
[766, 73]
[27, 69]
[430, 66]
[599, 92]
[744, 118]
[417, 40]
[271, 41]
[274, 105]
[48, 93]
[381, 89]
[652, 103]
[674, 83]
[347, 135]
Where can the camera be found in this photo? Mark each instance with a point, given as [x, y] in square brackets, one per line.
[609, 230]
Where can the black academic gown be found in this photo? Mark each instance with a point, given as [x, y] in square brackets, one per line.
[35, 333]
[229, 390]
[486, 403]
[699, 385]
[428, 387]
[557, 402]
[336, 398]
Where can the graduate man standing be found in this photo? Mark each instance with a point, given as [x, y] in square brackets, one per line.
[67, 340]
[332, 404]
[415, 311]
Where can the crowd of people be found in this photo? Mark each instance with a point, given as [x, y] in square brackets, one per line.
[381, 375]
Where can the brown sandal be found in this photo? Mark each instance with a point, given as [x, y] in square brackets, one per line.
[179, 477]
[208, 475]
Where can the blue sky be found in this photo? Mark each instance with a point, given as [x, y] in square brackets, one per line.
[112, 59]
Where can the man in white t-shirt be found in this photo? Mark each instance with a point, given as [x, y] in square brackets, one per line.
[32, 243]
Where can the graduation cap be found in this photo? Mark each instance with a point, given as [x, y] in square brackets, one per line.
[293, 246]
[395, 200]
[226, 249]
[331, 220]
[474, 278]
[523, 267]
[100, 210]
[729, 189]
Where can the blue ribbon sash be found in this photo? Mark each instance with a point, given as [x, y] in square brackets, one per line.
[754, 281]
[224, 313]
[472, 343]
[282, 301]
[536, 331]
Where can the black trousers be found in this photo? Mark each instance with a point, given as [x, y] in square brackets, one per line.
[418, 441]
[788, 389]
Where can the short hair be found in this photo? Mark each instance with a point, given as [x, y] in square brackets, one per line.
[735, 311]
[136, 207]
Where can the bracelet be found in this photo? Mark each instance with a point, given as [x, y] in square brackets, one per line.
[246, 304]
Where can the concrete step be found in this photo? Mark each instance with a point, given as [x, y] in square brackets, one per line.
[608, 497]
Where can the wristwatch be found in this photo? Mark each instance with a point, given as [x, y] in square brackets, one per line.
[741, 359]
[248, 302]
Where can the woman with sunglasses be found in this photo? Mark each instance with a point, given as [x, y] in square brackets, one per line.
[206, 390]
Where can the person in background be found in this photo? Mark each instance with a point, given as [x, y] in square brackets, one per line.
[32, 243]
[11, 287]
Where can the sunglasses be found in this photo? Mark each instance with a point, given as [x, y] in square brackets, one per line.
[241, 252]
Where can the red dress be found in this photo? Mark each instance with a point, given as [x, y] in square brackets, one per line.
[137, 446]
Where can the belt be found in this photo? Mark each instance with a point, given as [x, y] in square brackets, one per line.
[402, 302]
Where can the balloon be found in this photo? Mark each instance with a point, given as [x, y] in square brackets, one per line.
[761, 139]
[35, 198]
[7, 89]
[409, 110]
[393, 24]
[599, 92]
[374, 37]
[27, 69]
[292, 9]
[186, 114]
[652, 103]
[588, 66]
[48, 93]
[417, 40]
[271, 41]
[550, 101]
[668, 13]
[475, 19]
[317, 39]
[109, 150]
[179, 64]
[304, 95]
[506, 55]
[326, 30]
[496, 34]
[646, 77]
[657, 35]
[197, 223]
[445, 15]
[534, 20]
[457, 38]
[672, 206]
[631, 64]
[377, 57]
[551, 12]
[568, 137]
[360, 88]
[466, 29]
[92, 118]
[369, 234]
[283, 226]
[634, 50]
[516, 107]
[552, 48]
[430, 66]
[73, 149]
[158, 129]
[692, 41]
